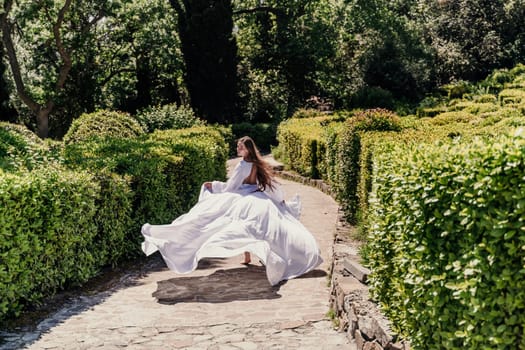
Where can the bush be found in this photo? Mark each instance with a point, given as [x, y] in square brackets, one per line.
[499, 78]
[58, 229]
[373, 97]
[377, 119]
[475, 107]
[307, 113]
[21, 149]
[518, 83]
[302, 144]
[101, 124]
[165, 169]
[446, 247]
[453, 118]
[47, 231]
[169, 116]
[263, 134]
[352, 162]
[114, 221]
[486, 98]
[518, 70]
[457, 89]
[511, 97]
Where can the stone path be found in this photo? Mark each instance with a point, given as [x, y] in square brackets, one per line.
[221, 305]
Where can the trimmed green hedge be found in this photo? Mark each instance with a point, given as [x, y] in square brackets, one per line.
[329, 147]
[447, 247]
[353, 162]
[101, 124]
[59, 227]
[168, 116]
[21, 149]
[165, 169]
[46, 234]
[302, 143]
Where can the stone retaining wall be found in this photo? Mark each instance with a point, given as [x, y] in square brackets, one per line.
[354, 312]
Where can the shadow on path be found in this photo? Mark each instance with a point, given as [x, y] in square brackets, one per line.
[245, 283]
[222, 286]
[314, 274]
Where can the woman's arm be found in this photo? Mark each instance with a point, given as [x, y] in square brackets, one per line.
[240, 172]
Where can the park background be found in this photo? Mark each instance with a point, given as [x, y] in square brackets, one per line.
[116, 111]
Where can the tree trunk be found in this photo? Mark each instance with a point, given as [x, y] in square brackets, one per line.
[7, 112]
[210, 54]
[41, 112]
[42, 123]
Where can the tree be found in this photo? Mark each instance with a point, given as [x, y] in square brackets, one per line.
[470, 38]
[210, 55]
[140, 52]
[285, 48]
[7, 112]
[40, 109]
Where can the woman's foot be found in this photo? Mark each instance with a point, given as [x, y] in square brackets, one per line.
[247, 258]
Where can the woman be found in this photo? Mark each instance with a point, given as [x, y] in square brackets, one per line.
[245, 214]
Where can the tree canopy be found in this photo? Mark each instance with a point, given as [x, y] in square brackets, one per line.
[234, 61]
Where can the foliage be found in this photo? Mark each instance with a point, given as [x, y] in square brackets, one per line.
[264, 95]
[511, 96]
[446, 244]
[452, 117]
[139, 63]
[285, 49]
[124, 55]
[376, 119]
[47, 231]
[59, 228]
[21, 149]
[43, 54]
[302, 144]
[168, 116]
[478, 107]
[7, 112]
[470, 38]
[306, 113]
[263, 134]
[165, 169]
[371, 97]
[210, 57]
[103, 123]
[351, 161]
[133, 55]
[114, 219]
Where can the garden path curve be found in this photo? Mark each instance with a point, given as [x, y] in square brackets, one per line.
[221, 305]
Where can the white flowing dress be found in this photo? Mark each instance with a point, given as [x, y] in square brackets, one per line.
[234, 218]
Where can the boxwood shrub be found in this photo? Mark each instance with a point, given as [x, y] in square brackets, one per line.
[170, 116]
[46, 234]
[302, 144]
[165, 169]
[21, 149]
[60, 226]
[352, 161]
[103, 123]
[447, 245]
[511, 96]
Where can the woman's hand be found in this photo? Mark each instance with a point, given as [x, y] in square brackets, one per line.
[208, 186]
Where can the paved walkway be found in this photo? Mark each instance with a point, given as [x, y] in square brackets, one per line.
[221, 305]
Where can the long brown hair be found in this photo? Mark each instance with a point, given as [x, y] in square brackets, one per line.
[263, 171]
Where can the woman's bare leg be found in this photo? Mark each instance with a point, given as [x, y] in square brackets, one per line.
[247, 258]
